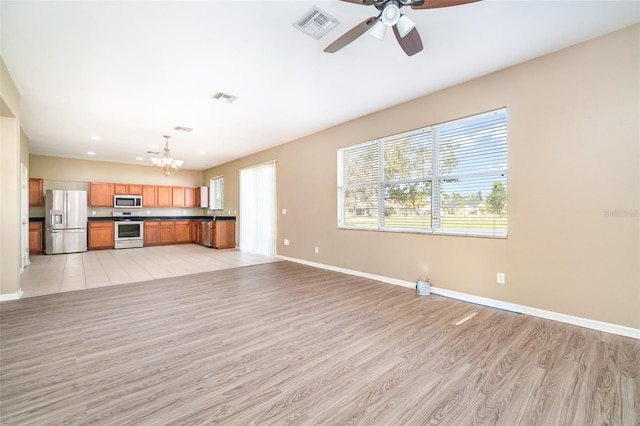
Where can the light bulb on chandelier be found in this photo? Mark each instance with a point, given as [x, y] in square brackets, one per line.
[167, 164]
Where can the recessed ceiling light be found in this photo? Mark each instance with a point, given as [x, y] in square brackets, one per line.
[91, 153]
[95, 138]
[139, 158]
[201, 153]
[155, 146]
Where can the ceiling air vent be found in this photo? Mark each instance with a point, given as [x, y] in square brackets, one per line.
[223, 97]
[316, 23]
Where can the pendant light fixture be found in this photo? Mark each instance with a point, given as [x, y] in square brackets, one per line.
[167, 164]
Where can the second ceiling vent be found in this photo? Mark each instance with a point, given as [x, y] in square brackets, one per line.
[316, 23]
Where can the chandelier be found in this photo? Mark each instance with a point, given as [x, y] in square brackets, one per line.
[167, 164]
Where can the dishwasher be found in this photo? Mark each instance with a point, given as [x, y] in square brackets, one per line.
[206, 233]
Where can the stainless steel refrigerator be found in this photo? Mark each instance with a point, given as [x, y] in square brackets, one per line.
[66, 221]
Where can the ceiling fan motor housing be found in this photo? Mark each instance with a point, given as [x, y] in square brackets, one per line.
[391, 13]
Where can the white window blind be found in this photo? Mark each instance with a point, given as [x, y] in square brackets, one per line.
[216, 193]
[448, 178]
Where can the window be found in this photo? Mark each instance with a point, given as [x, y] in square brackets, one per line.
[449, 178]
[216, 193]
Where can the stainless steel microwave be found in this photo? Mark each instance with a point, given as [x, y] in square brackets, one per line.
[127, 201]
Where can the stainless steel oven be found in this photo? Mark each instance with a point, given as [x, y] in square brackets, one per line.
[129, 234]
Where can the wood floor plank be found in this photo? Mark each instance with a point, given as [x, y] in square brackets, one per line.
[283, 343]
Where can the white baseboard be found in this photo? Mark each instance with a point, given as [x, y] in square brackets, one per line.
[11, 296]
[492, 303]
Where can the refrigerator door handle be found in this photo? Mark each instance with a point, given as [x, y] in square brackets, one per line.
[66, 209]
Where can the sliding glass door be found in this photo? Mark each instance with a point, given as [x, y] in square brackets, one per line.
[258, 209]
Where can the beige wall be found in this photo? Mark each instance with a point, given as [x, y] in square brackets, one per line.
[9, 183]
[574, 185]
[68, 173]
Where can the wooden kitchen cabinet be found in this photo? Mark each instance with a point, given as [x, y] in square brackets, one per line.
[35, 238]
[223, 234]
[101, 194]
[135, 189]
[189, 197]
[151, 233]
[167, 232]
[121, 189]
[196, 231]
[101, 235]
[36, 192]
[181, 231]
[149, 196]
[164, 198]
[127, 189]
[177, 196]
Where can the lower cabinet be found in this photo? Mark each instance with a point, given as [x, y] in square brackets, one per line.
[223, 234]
[167, 232]
[156, 232]
[151, 233]
[196, 231]
[35, 238]
[182, 232]
[101, 235]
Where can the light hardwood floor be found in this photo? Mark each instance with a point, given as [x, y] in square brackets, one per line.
[49, 274]
[283, 343]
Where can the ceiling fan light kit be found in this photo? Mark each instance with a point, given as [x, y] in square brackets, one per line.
[390, 16]
[379, 30]
[405, 25]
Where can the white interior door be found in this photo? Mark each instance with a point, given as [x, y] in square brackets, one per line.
[258, 209]
[24, 217]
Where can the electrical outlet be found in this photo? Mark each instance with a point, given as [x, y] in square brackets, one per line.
[500, 278]
[286, 242]
[316, 250]
[284, 212]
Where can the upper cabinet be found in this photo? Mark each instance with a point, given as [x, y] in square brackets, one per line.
[164, 196]
[127, 189]
[36, 192]
[135, 189]
[177, 194]
[189, 197]
[149, 196]
[101, 194]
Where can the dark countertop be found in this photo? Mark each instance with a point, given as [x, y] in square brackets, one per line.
[143, 218]
[150, 218]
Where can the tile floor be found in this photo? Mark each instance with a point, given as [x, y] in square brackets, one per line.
[49, 274]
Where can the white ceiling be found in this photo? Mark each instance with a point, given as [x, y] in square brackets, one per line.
[129, 72]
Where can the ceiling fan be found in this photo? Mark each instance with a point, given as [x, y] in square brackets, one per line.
[390, 16]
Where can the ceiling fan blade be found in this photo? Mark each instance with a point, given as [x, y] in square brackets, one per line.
[434, 4]
[411, 43]
[351, 35]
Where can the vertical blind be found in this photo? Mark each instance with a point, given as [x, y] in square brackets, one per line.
[258, 209]
[446, 178]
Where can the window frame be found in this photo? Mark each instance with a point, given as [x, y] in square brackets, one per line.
[436, 179]
[216, 193]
